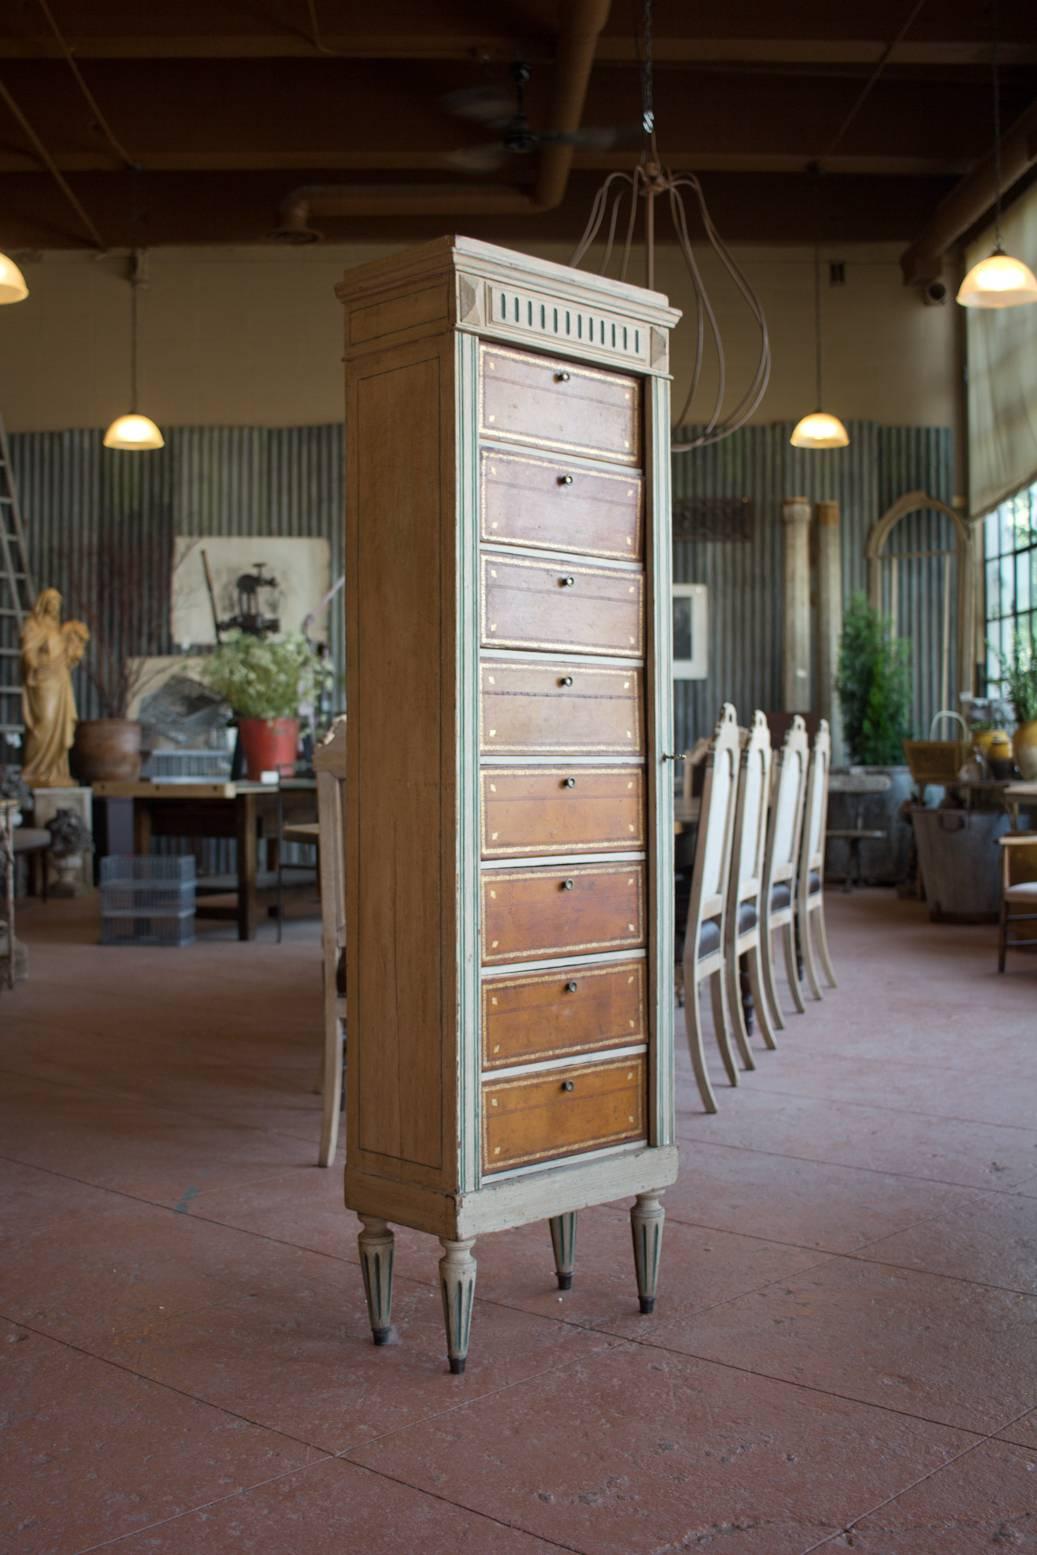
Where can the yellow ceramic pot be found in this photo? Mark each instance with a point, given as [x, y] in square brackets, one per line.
[993, 744]
[1024, 749]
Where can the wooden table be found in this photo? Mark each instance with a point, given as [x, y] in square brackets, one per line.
[247, 812]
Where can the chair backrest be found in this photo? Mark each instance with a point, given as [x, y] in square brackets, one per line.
[329, 763]
[815, 811]
[750, 827]
[716, 825]
[786, 819]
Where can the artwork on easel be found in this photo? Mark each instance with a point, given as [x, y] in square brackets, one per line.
[278, 578]
[690, 631]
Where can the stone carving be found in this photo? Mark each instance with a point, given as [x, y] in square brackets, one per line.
[50, 652]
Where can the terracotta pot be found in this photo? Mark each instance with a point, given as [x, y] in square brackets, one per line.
[269, 744]
[107, 750]
[1024, 749]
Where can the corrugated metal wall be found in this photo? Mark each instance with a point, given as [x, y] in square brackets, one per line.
[744, 581]
[79, 497]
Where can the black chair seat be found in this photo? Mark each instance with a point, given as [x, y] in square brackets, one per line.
[781, 895]
[814, 882]
[709, 937]
[748, 917]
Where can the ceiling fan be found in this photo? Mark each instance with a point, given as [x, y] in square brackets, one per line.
[490, 106]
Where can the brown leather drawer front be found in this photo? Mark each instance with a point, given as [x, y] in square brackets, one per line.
[558, 1014]
[573, 709]
[529, 914]
[561, 810]
[536, 502]
[547, 403]
[530, 604]
[583, 1107]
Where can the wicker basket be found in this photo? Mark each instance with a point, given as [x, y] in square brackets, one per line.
[936, 761]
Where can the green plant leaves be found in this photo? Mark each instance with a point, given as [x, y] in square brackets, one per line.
[874, 687]
[266, 677]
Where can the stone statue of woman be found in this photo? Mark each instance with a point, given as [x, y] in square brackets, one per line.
[50, 652]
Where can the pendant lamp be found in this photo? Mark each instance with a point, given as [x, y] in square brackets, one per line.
[134, 432]
[819, 429]
[12, 281]
[999, 281]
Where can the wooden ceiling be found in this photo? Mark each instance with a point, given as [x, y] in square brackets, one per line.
[194, 122]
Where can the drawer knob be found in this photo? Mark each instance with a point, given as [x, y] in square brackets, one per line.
[571, 987]
[568, 582]
[566, 680]
[569, 782]
[568, 1085]
[562, 377]
[567, 885]
[565, 480]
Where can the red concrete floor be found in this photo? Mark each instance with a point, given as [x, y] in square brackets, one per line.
[843, 1354]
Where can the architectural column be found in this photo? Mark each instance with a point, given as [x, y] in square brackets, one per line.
[797, 690]
[829, 619]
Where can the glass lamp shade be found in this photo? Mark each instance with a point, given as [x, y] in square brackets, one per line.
[819, 430]
[133, 433]
[999, 281]
[12, 281]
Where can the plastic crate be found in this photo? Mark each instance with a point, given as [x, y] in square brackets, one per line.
[188, 766]
[148, 929]
[147, 900]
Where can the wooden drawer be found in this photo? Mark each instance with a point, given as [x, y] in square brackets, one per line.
[529, 604]
[561, 810]
[559, 1014]
[548, 403]
[582, 1107]
[556, 507]
[528, 914]
[571, 709]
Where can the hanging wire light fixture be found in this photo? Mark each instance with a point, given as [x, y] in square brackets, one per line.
[619, 199]
[999, 281]
[134, 432]
[819, 429]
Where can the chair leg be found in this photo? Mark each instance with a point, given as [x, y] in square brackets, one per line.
[734, 1004]
[1002, 937]
[755, 964]
[788, 940]
[721, 1024]
[770, 990]
[806, 940]
[332, 1085]
[822, 948]
[693, 1025]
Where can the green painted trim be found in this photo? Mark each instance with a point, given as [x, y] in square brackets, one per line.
[661, 959]
[466, 386]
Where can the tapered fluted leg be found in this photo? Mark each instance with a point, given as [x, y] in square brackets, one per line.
[457, 1283]
[563, 1240]
[377, 1247]
[822, 946]
[718, 998]
[788, 940]
[755, 961]
[806, 940]
[646, 1224]
[769, 987]
[693, 1026]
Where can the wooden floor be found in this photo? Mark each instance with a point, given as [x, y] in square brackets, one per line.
[843, 1355]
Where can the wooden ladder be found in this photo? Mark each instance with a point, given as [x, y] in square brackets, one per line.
[16, 597]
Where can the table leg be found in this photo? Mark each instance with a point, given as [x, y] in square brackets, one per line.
[248, 906]
[141, 828]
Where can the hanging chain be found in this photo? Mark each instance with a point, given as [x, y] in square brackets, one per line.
[647, 82]
[997, 128]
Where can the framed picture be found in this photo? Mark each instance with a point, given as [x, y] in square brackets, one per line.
[690, 631]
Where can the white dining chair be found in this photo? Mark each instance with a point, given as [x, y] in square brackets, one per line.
[810, 889]
[703, 956]
[329, 763]
[788, 791]
[745, 886]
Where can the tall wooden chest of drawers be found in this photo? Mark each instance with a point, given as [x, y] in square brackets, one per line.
[509, 791]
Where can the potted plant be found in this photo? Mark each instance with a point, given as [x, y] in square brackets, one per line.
[266, 680]
[1019, 674]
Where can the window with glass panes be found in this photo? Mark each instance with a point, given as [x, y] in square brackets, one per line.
[1010, 549]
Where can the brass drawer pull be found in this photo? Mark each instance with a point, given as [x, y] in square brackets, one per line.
[569, 782]
[568, 582]
[571, 987]
[565, 480]
[566, 680]
[568, 1085]
[567, 885]
[562, 377]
